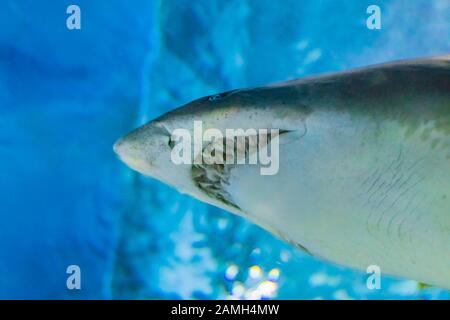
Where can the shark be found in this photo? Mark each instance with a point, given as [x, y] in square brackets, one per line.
[363, 173]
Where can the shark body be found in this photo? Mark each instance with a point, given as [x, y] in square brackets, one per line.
[364, 164]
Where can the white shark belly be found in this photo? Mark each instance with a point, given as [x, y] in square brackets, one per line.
[358, 195]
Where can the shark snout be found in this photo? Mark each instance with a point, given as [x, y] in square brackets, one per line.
[121, 148]
[130, 153]
[141, 148]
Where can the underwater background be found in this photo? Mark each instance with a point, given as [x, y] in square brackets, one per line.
[67, 95]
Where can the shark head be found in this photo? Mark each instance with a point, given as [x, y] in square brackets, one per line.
[149, 149]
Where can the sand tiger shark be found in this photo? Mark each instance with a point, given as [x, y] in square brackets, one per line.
[364, 164]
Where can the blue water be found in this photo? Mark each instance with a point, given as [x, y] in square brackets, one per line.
[66, 95]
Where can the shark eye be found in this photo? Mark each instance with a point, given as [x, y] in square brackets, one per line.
[215, 97]
[219, 96]
[171, 143]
